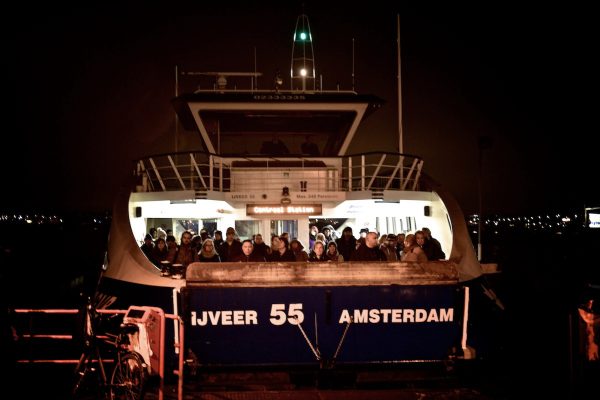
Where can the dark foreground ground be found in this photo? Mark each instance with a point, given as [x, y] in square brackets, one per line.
[536, 341]
[467, 382]
[53, 382]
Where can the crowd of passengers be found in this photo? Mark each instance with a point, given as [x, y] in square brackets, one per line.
[324, 246]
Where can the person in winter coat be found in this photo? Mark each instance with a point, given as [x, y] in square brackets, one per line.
[298, 249]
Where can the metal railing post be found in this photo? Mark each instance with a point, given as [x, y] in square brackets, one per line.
[220, 174]
[376, 171]
[181, 361]
[162, 184]
[195, 165]
[362, 172]
[349, 174]
[176, 172]
[211, 176]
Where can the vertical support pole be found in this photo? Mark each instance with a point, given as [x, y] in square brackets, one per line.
[176, 117]
[362, 172]
[349, 174]
[210, 172]
[220, 174]
[181, 361]
[161, 368]
[480, 204]
[465, 322]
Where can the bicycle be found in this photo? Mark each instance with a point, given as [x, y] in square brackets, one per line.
[129, 372]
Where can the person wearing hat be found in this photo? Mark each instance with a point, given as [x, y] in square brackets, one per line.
[204, 235]
[218, 238]
[148, 246]
[333, 253]
[231, 247]
[297, 248]
[161, 233]
[346, 245]
[330, 233]
[388, 247]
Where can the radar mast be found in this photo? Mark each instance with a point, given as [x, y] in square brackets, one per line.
[302, 70]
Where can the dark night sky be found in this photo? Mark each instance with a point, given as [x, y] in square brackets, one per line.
[87, 91]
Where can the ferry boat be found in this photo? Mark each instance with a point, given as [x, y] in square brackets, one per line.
[295, 313]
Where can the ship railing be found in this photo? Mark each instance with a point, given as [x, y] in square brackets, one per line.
[275, 94]
[243, 82]
[46, 337]
[201, 171]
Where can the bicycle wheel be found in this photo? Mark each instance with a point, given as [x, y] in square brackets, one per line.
[128, 377]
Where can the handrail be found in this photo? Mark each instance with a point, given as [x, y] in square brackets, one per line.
[370, 171]
[52, 311]
[180, 345]
[263, 156]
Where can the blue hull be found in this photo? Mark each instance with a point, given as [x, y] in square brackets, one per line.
[387, 324]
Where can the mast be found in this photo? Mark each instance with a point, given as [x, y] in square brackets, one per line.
[255, 78]
[176, 116]
[400, 133]
[302, 70]
[353, 64]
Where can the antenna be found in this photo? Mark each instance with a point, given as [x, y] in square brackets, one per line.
[400, 133]
[176, 117]
[353, 64]
[255, 85]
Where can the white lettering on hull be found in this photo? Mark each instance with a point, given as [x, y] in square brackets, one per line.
[396, 315]
[227, 317]
[293, 314]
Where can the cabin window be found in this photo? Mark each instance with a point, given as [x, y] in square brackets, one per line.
[246, 229]
[284, 225]
[182, 225]
[411, 224]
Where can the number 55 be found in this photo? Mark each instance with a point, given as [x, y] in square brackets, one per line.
[294, 315]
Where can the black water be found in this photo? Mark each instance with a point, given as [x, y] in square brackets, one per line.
[50, 264]
[535, 343]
